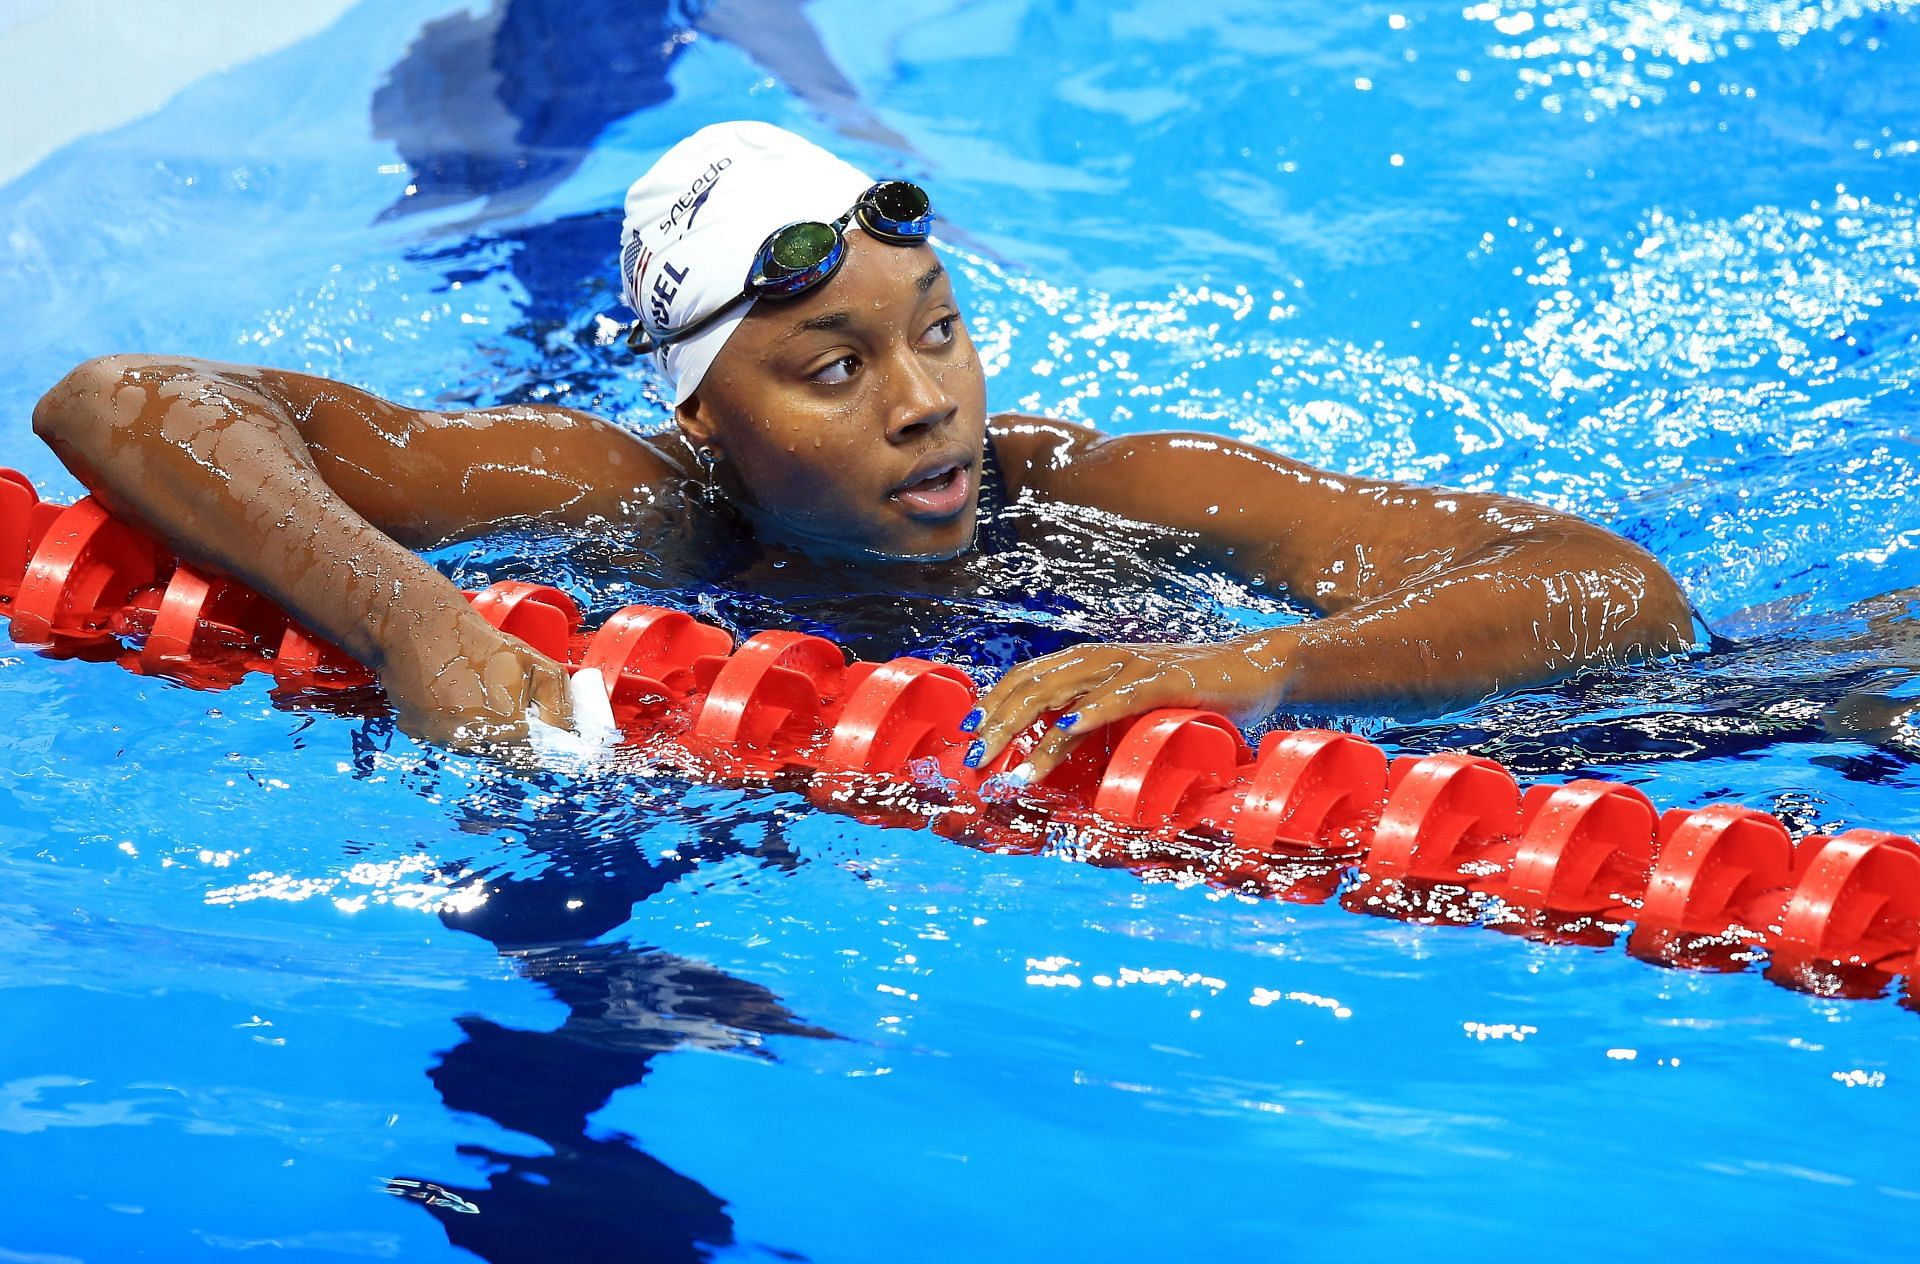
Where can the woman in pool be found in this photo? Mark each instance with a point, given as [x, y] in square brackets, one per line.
[828, 398]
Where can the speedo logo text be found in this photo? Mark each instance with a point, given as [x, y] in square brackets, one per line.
[688, 204]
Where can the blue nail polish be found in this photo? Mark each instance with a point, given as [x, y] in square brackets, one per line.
[1068, 720]
[976, 751]
[972, 721]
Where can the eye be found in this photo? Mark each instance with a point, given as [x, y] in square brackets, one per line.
[841, 370]
[941, 332]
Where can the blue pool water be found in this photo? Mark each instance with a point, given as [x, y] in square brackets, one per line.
[291, 980]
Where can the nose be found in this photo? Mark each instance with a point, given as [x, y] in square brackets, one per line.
[917, 398]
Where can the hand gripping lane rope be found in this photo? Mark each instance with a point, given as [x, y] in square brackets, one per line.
[1175, 794]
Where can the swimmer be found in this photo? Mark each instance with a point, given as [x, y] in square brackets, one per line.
[828, 397]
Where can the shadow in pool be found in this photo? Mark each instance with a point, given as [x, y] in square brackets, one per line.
[590, 1194]
[499, 105]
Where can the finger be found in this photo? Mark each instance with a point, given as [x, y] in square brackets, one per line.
[1022, 678]
[1053, 750]
[431, 725]
[505, 679]
[548, 697]
[1091, 713]
[1044, 686]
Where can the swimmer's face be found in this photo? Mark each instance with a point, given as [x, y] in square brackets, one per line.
[852, 418]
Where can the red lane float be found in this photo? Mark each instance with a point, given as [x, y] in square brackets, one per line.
[646, 654]
[1721, 872]
[1314, 792]
[1175, 793]
[1586, 849]
[201, 629]
[1167, 763]
[899, 712]
[80, 572]
[539, 614]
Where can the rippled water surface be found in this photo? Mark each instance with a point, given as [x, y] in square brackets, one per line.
[287, 979]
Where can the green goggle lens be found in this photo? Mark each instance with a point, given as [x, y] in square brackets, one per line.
[799, 247]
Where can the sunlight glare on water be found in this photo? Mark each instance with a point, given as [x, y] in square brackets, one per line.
[1598, 57]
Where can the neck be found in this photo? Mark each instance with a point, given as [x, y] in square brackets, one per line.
[778, 532]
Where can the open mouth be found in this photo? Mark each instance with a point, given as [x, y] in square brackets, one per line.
[940, 494]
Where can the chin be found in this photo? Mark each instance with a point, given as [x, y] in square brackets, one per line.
[941, 545]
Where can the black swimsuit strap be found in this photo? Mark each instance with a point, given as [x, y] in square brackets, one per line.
[992, 532]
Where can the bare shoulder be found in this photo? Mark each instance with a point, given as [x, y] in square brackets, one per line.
[1034, 451]
[1072, 461]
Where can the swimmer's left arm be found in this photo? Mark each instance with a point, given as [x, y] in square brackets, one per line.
[1427, 596]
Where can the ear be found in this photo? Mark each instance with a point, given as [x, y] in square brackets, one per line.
[696, 422]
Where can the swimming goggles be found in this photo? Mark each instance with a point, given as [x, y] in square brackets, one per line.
[802, 256]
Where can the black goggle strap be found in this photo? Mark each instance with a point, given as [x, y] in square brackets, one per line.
[642, 341]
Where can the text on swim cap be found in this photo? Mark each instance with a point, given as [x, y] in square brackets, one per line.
[660, 301]
[690, 202]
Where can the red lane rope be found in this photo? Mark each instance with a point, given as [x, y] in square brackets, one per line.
[1174, 794]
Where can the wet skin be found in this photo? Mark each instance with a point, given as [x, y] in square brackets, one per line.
[821, 411]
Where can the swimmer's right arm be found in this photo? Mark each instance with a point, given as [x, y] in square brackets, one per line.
[310, 491]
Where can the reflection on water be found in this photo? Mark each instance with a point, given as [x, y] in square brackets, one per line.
[503, 104]
[499, 105]
[1606, 55]
[577, 874]
[592, 1194]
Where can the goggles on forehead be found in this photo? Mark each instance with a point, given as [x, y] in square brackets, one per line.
[802, 256]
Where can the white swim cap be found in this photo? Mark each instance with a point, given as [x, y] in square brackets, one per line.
[696, 219]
